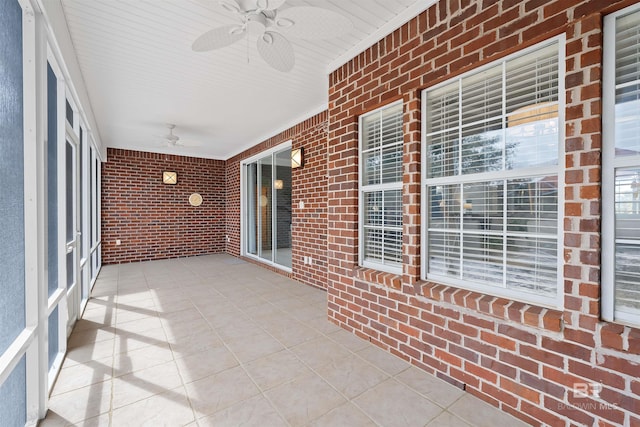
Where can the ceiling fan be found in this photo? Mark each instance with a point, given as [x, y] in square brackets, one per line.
[173, 140]
[270, 24]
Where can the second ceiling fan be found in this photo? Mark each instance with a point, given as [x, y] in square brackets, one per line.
[272, 27]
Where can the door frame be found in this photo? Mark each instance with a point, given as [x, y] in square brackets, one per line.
[72, 137]
[244, 208]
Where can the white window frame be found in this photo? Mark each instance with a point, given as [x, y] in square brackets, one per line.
[609, 165]
[362, 189]
[95, 257]
[557, 301]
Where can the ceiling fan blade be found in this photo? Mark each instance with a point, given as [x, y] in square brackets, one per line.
[230, 6]
[218, 38]
[314, 23]
[276, 51]
[271, 4]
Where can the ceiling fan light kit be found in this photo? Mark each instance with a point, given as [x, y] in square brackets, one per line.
[264, 19]
[172, 139]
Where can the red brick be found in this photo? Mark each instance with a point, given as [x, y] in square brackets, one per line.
[461, 35]
[517, 334]
[498, 340]
[519, 390]
[611, 336]
[145, 230]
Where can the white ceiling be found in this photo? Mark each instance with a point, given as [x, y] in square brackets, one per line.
[140, 71]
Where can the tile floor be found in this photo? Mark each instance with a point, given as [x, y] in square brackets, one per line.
[215, 341]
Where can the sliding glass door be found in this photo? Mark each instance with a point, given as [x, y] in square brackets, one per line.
[267, 207]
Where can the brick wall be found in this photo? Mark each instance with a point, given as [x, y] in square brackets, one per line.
[154, 220]
[522, 358]
[309, 185]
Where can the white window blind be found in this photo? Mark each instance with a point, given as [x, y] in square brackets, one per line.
[621, 168]
[381, 188]
[491, 171]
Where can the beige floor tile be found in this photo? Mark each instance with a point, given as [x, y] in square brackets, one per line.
[349, 340]
[345, 415]
[134, 296]
[226, 341]
[279, 323]
[174, 305]
[435, 389]
[352, 376]
[307, 313]
[290, 304]
[220, 321]
[481, 414]
[389, 363]
[199, 365]
[147, 305]
[140, 325]
[165, 297]
[145, 383]
[294, 333]
[169, 409]
[161, 284]
[142, 358]
[236, 329]
[98, 322]
[304, 399]
[90, 351]
[176, 317]
[256, 411]
[254, 347]
[91, 336]
[248, 302]
[189, 344]
[219, 391]
[104, 292]
[134, 314]
[54, 420]
[103, 420]
[104, 315]
[190, 327]
[266, 313]
[394, 404]
[276, 369]
[446, 419]
[320, 351]
[129, 341]
[83, 375]
[81, 404]
[322, 324]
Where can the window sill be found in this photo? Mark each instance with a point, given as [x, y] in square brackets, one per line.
[501, 308]
[371, 275]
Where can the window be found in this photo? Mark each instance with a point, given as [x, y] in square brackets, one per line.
[491, 198]
[621, 167]
[15, 334]
[381, 189]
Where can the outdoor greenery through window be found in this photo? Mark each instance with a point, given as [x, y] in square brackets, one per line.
[381, 188]
[621, 274]
[491, 177]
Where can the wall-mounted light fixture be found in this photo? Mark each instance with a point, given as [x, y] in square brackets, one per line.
[278, 184]
[297, 158]
[170, 178]
[195, 199]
